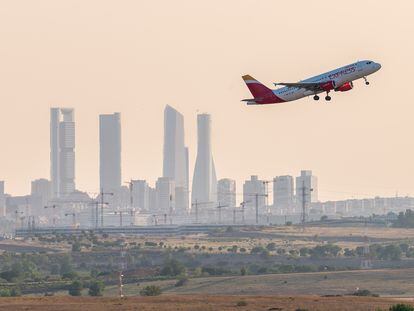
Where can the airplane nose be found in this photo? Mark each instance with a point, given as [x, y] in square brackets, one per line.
[378, 66]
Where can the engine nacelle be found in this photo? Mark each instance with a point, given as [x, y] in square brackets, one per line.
[345, 87]
[327, 86]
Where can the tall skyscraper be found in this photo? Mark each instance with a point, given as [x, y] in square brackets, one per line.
[2, 200]
[110, 152]
[204, 187]
[283, 193]
[226, 192]
[175, 164]
[306, 187]
[62, 151]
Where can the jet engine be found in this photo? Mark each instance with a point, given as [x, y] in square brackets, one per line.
[327, 86]
[345, 87]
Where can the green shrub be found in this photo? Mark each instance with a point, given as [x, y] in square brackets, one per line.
[96, 288]
[181, 282]
[75, 289]
[241, 303]
[150, 290]
[401, 307]
[5, 292]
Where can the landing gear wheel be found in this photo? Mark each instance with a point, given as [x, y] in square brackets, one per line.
[366, 83]
[316, 97]
[328, 98]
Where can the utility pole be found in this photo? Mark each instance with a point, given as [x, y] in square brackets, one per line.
[120, 216]
[304, 204]
[219, 211]
[102, 205]
[53, 213]
[257, 195]
[171, 208]
[122, 267]
[195, 205]
[196, 211]
[366, 260]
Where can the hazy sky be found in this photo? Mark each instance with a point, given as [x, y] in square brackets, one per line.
[135, 57]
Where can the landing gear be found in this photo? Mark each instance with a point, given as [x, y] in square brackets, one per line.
[316, 97]
[366, 81]
[328, 98]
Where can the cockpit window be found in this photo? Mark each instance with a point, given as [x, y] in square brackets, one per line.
[368, 63]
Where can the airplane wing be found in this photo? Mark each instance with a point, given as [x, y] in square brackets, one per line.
[311, 86]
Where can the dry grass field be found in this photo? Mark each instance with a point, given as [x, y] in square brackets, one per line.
[395, 283]
[197, 303]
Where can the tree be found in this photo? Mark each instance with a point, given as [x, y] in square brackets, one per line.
[391, 252]
[96, 288]
[304, 251]
[404, 247]
[15, 292]
[271, 246]
[5, 292]
[75, 289]
[76, 247]
[65, 265]
[150, 290]
[243, 271]
[257, 250]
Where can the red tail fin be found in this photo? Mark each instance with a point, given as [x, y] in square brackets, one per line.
[257, 89]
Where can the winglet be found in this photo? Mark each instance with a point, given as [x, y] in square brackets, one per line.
[249, 78]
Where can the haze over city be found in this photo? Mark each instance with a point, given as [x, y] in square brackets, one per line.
[206, 155]
[134, 58]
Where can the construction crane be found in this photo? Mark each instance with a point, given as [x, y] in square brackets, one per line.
[195, 205]
[219, 207]
[120, 215]
[241, 210]
[257, 196]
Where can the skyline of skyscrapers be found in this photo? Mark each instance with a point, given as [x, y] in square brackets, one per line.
[110, 152]
[169, 196]
[204, 188]
[62, 151]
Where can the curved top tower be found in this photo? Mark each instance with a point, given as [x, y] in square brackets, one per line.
[204, 181]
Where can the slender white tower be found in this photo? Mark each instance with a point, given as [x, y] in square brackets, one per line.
[204, 188]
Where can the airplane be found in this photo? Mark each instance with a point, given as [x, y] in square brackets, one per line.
[338, 80]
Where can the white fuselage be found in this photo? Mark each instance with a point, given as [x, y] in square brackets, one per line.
[340, 76]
